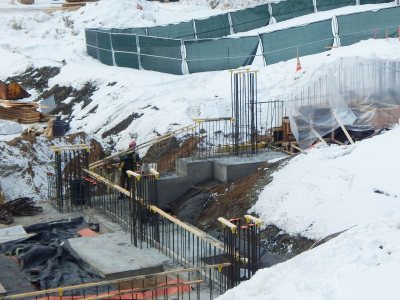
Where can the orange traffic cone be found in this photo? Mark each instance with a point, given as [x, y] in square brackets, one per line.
[298, 65]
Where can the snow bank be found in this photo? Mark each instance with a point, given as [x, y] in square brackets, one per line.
[362, 263]
[9, 127]
[333, 188]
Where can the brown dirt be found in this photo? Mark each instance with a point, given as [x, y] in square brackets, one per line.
[235, 200]
[166, 152]
[121, 125]
[233, 203]
[35, 78]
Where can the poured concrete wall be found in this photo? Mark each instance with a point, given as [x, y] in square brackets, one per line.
[193, 172]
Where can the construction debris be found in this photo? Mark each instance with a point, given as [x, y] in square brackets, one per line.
[22, 112]
[19, 207]
[12, 91]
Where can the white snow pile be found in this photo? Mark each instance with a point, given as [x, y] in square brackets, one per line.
[10, 127]
[361, 263]
[331, 189]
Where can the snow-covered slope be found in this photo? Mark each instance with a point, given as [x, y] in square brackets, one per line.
[362, 263]
[163, 101]
[331, 189]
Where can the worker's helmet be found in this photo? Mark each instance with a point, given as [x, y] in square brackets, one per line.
[132, 144]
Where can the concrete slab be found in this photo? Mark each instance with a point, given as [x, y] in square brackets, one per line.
[14, 233]
[113, 256]
[191, 172]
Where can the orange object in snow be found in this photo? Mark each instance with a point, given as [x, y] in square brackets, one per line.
[298, 65]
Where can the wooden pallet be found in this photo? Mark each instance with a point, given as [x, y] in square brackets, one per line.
[21, 115]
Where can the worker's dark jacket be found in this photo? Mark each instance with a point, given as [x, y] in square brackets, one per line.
[129, 161]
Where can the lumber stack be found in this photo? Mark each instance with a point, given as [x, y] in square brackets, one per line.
[19, 207]
[76, 3]
[21, 112]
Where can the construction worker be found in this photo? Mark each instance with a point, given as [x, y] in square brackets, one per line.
[129, 162]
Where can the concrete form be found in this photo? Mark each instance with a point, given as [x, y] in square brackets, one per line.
[191, 172]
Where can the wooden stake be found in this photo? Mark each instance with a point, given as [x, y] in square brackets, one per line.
[343, 128]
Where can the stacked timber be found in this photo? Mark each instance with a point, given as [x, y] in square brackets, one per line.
[76, 3]
[21, 112]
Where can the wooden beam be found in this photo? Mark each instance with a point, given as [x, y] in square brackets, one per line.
[343, 128]
[134, 174]
[154, 173]
[108, 182]
[197, 232]
[155, 288]
[112, 282]
[297, 148]
[250, 218]
[318, 135]
[228, 224]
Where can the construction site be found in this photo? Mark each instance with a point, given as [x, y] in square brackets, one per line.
[157, 183]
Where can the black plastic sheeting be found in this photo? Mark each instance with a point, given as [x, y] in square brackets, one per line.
[47, 260]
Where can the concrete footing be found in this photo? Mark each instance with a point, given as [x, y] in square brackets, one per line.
[113, 256]
[191, 172]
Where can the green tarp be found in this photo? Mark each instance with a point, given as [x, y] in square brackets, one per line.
[141, 31]
[127, 60]
[370, 24]
[105, 56]
[220, 54]
[183, 30]
[91, 43]
[281, 45]
[374, 1]
[103, 40]
[213, 27]
[289, 9]
[125, 50]
[250, 18]
[160, 54]
[323, 5]
[124, 42]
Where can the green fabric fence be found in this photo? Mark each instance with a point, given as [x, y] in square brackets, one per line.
[374, 1]
[323, 5]
[91, 42]
[282, 45]
[161, 54]
[183, 30]
[220, 54]
[289, 9]
[250, 18]
[213, 27]
[125, 50]
[104, 47]
[370, 24]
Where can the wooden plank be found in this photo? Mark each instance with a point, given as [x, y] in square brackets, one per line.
[197, 232]
[343, 128]
[113, 282]
[141, 290]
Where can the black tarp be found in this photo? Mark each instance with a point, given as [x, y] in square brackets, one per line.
[47, 258]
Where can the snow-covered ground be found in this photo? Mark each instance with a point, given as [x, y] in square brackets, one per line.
[333, 188]
[327, 190]
[362, 263]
